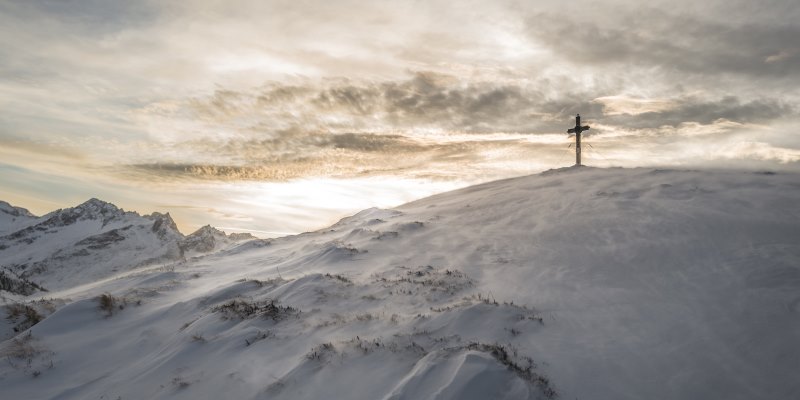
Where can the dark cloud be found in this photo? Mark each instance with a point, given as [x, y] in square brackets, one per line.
[671, 41]
[296, 144]
[292, 155]
[300, 155]
[426, 100]
[88, 16]
[701, 111]
[356, 100]
[447, 104]
[435, 99]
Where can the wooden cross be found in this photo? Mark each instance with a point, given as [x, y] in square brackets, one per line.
[577, 131]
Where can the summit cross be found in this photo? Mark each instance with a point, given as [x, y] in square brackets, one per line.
[577, 131]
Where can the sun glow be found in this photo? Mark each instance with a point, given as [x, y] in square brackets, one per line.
[293, 207]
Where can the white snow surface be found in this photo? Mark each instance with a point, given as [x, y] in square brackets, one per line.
[575, 283]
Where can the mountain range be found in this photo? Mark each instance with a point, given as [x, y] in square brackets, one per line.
[91, 241]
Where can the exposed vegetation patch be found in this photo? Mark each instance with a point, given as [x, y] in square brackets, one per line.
[111, 304]
[243, 309]
[268, 282]
[339, 277]
[180, 382]
[427, 279]
[523, 312]
[386, 235]
[23, 315]
[322, 352]
[260, 335]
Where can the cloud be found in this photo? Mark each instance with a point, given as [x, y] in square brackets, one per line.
[427, 124]
[237, 90]
[654, 37]
[347, 155]
[429, 102]
[756, 151]
[621, 104]
[677, 111]
[426, 99]
[178, 102]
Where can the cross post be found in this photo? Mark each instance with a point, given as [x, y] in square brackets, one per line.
[577, 131]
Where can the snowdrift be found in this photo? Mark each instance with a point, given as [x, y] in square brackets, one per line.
[575, 283]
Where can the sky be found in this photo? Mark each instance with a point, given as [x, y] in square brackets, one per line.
[278, 117]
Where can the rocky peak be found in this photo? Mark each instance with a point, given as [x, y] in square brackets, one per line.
[240, 236]
[163, 224]
[92, 209]
[208, 238]
[203, 240]
[207, 230]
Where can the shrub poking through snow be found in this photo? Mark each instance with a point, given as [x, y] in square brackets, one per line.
[321, 352]
[180, 382]
[108, 303]
[27, 314]
[260, 335]
[339, 277]
[242, 309]
[426, 280]
[366, 317]
[260, 283]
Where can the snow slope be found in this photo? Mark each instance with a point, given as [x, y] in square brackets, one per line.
[577, 283]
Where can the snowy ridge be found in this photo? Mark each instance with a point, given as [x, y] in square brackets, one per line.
[576, 283]
[14, 218]
[8, 209]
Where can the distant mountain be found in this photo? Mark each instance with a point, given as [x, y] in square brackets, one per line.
[91, 241]
[208, 239]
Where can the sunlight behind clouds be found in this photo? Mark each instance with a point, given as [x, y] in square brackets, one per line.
[621, 104]
[141, 96]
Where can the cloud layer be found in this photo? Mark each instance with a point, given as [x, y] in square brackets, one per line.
[141, 92]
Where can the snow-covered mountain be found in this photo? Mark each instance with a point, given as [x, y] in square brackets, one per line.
[91, 241]
[575, 283]
[14, 218]
[208, 239]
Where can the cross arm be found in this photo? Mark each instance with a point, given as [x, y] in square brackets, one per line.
[578, 129]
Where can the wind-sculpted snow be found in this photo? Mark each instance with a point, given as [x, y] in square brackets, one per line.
[575, 283]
